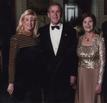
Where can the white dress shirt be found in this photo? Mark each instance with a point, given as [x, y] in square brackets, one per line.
[55, 36]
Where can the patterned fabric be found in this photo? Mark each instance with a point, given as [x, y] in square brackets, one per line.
[17, 42]
[92, 57]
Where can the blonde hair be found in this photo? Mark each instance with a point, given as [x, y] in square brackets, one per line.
[20, 28]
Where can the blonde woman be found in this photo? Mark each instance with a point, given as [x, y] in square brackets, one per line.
[24, 51]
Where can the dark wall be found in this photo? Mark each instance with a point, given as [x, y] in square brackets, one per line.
[7, 29]
[7, 16]
[85, 5]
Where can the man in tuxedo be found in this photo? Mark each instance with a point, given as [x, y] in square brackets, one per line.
[58, 43]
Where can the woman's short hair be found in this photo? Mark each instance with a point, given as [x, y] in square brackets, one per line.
[85, 15]
[19, 28]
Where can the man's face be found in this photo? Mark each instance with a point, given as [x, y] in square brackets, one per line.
[54, 14]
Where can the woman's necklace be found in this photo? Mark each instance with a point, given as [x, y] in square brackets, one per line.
[87, 39]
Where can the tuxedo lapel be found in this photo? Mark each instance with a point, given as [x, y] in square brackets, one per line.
[49, 43]
[62, 44]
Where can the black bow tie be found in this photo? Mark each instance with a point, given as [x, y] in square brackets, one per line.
[53, 27]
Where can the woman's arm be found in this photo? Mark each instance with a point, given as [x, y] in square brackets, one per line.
[102, 64]
[11, 71]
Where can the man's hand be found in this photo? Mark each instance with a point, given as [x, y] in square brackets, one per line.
[73, 81]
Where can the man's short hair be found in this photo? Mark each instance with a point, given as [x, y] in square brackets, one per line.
[55, 4]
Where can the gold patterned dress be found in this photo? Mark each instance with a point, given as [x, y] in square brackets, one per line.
[90, 70]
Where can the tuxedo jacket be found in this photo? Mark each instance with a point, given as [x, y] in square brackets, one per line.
[59, 67]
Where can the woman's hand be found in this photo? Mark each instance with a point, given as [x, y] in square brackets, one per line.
[98, 88]
[10, 88]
